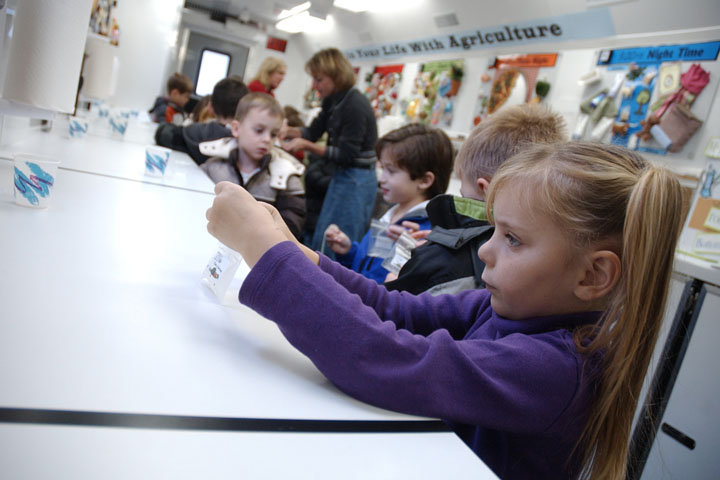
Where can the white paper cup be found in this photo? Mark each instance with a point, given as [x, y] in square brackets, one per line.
[118, 124]
[34, 179]
[77, 127]
[156, 160]
[102, 110]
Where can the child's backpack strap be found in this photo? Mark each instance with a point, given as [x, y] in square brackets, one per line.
[456, 238]
[218, 148]
[282, 166]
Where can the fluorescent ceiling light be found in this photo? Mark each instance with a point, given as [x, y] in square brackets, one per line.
[351, 5]
[304, 22]
[294, 11]
[377, 6]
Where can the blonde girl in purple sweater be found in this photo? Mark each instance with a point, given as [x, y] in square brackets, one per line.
[539, 373]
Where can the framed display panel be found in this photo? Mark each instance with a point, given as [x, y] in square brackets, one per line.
[431, 100]
[512, 80]
[700, 237]
[381, 88]
[631, 98]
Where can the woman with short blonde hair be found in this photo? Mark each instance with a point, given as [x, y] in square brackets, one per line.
[270, 74]
[349, 121]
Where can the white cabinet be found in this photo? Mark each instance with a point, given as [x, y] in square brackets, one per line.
[686, 445]
[678, 283]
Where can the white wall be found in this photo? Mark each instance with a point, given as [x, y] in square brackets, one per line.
[148, 29]
[297, 52]
[637, 23]
[631, 17]
[148, 33]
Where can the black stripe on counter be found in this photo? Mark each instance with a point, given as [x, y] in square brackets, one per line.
[183, 422]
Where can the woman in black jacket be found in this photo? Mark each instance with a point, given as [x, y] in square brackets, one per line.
[349, 121]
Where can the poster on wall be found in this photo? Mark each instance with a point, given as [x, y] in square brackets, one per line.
[700, 237]
[102, 22]
[516, 79]
[434, 87]
[381, 88]
[650, 99]
[311, 99]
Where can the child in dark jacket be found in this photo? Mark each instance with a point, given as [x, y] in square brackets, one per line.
[171, 109]
[223, 103]
[416, 165]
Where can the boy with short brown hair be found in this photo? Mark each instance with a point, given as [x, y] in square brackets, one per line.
[417, 162]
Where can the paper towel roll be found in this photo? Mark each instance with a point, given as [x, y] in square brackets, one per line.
[46, 53]
[100, 71]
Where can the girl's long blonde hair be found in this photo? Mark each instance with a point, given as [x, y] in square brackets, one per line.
[609, 197]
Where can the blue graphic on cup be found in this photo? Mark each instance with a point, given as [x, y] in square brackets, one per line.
[77, 128]
[156, 162]
[38, 184]
[118, 124]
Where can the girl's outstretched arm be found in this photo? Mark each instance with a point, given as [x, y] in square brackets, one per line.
[246, 225]
[252, 228]
[433, 374]
[519, 382]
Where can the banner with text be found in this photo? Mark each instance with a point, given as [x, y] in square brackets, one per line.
[693, 52]
[594, 23]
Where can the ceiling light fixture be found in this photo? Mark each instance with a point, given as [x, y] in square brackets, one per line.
[303, 22]
[351, 5]
[244, 15]
[299, 20]
[376, 6]
[294, 11]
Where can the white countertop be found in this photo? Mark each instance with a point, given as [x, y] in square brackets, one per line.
[42, 452]
[108, 156]
[697, 268]
[103, 316]
[102, 310]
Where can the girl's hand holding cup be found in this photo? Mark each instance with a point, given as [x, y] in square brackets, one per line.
[242, 223]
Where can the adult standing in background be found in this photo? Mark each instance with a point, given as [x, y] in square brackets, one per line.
[349, 121]
[270, 74]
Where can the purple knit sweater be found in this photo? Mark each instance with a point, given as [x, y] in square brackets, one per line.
[515, 391]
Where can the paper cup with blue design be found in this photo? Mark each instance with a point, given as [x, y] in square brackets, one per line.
[34, 179]
[77, 127]
[118, 124]
[156, 160]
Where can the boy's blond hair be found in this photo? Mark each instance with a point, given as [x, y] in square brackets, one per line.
[504, 134]
[263, 101]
